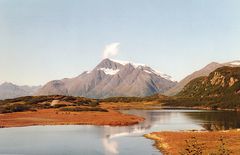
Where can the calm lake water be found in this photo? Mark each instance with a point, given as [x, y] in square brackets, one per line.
[105, 140]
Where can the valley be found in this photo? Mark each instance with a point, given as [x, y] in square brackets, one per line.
[127, 77]
[209, 104]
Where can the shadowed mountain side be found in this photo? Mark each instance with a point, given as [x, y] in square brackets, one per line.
[9, 90]
[221, 89]
[202, 72]
[112, 78]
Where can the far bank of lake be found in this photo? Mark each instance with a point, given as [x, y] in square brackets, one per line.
[89, 139]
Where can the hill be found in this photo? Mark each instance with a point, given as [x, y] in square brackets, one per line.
[221, 89]
[10, 90]
[205, 71]
[33, 103]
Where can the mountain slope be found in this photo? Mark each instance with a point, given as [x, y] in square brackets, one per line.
[202, 72]
[221, 82]
[9, 90]
[221, 89]
[111, 78]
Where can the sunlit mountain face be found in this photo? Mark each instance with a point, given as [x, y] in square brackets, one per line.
[112, 78]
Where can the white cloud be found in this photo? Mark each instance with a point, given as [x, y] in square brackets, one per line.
[111, 50]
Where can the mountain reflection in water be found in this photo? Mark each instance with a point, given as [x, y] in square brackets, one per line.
[171, 120]
[217, 120]
[106, 140]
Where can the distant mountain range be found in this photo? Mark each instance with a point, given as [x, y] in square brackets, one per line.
[202, 72]
[112, 78]
[9, 90]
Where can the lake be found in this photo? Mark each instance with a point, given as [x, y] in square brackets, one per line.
[105, 140]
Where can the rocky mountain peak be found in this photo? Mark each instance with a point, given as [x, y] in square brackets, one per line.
[112, 78]
[107, 63]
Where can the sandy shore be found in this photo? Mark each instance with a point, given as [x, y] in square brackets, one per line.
[55, 117]
[175, 142]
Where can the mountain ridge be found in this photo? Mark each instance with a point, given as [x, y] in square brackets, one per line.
[205, 71]
[111, 78]
[9, 90]
[222, 81]
[219, 90]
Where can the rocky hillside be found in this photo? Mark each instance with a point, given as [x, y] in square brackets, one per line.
[221, 89]
[112, 78]
[223, 81]
[205, 71]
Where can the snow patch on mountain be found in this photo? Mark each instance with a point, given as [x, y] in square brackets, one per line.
[112, 78]
[135, 65]
[109, 71]
[236, 63]
[165, 76]
[147, 71]
[152, 71]
[1, 82]
[145, 68]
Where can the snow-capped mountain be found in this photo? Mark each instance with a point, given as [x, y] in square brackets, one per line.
[112, 78]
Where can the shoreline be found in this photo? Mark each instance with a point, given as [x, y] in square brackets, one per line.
[175, 142]
[56, 117]
[111, 118]
[164, 141]
[198, 108]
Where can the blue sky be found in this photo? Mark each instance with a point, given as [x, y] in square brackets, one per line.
[42, 40]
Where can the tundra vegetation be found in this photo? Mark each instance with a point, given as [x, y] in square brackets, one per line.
[194, 147]
[221, 89]
[34, 103]
[197, 143]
